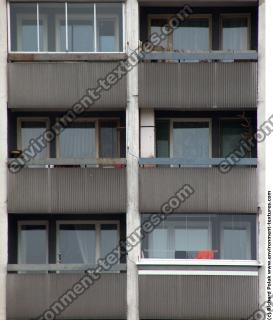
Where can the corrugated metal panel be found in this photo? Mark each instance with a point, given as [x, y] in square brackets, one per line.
[67, 190]
[29, 295]
[234, 192]
[61, 84]
[200, 86]
[198, 297]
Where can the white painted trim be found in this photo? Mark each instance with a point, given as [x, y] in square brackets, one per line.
[198, 273]
[196, 262]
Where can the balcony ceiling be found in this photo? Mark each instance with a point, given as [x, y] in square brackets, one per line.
[203, 3]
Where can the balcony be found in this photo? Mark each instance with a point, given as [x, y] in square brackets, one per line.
[105, 299]
[235, 191]
[200, 82]
[64, 186]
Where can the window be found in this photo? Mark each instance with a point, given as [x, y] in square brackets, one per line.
[29, 129]
[78, 141]
[90, 139]
[109, 27]
[86, 242]
[191, 139]
[66, 27]
[32, 243]
[187, 138]
[109, 139]
[23, 27]
[206, 236]
[235, 33]
[232, 132]
[192, 35]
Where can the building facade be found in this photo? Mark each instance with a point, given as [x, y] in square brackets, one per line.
[129, 127]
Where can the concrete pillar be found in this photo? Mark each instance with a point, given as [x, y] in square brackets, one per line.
[261, 117]
[3, 158]
[132, 137]
[147, 133]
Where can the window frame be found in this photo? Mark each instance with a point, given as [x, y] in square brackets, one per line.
[57, 40]
[170, 36]
[97, 224]
[20, 120]
[234, 16]
[21, 223]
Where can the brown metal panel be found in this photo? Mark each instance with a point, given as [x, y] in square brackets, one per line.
[29, 295]
[198, 297]
[200, 86]
[59, 85]
[234, 192]
[67, 190]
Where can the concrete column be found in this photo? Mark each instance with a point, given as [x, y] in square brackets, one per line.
[261, 117]
[147, 133]
[132, 137]
[3, 158]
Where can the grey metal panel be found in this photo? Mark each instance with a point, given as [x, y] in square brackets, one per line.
[198, 297]
[234, 192]
[200, 86]
[67, 190]
[28, 295]
[59, 85]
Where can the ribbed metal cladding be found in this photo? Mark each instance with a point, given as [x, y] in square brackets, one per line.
[67, 190]
[234, 192]
[200, 86]
[198, 297]
[61, 84]
[29, 295]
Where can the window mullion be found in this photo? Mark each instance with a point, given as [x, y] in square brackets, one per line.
[66, 28]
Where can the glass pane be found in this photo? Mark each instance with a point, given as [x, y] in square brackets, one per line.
[78, 141]
[109, 239]
[158, 244]
[80, 27]
[231, 134]
[162, 139]
[108, 140]
[77, 243]
[235, 34]
[156, 27]
[33, 244]
[52, 17]
[33, 130]
[23, 27]
[109, 27]
[191, 140]
[236, 243]
[192, 35]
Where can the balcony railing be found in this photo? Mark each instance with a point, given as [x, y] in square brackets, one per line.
[216, 191]
[69, 186]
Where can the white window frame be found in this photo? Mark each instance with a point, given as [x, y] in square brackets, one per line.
[20, 120]
[19, 241]
[232, 226]
[66, 20]
[97, 224]
[206, 120]
[234, 16]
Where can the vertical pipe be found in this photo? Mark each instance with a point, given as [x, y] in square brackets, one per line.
[3, 158]
[261, 117]
[132, 136]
